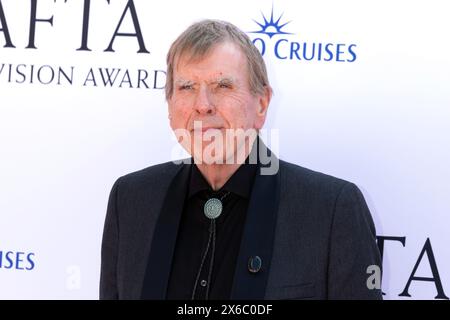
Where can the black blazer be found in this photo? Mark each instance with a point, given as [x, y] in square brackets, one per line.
[313, 232]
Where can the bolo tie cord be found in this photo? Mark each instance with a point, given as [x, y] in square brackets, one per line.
[203, 261]
[211, 238]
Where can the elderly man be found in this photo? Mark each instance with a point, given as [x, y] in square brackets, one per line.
[222, 227]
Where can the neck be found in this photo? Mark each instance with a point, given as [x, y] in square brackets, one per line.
[217, 174]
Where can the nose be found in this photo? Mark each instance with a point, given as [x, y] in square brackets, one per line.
[203, 102]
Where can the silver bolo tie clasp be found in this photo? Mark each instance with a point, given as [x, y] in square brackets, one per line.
[213, 207]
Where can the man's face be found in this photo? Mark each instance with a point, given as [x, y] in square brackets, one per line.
[214, 91]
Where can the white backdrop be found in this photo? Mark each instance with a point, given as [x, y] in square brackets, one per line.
[380, 120]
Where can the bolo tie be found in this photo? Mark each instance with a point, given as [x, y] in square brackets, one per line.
[212, 210]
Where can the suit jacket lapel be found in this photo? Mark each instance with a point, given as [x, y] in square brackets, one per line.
[258, 238]
[164, 238]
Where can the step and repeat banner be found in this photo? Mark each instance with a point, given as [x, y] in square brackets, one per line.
[361, 92]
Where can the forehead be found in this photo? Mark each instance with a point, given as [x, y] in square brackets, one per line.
[224, 59]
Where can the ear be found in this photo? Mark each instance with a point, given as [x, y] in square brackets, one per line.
[263, 106]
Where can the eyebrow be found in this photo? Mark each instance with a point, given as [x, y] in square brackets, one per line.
[227, 80]
[224, 80]
[184, 82]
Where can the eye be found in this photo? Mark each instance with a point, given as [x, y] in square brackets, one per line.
[186, 87]
[224, 85]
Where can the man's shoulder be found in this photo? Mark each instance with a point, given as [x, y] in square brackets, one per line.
[321, 194]
[301, 179]
[295, 171]
[155, 174]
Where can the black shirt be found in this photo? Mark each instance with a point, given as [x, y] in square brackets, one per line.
[193, 235]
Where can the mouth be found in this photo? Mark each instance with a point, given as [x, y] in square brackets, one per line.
[204, 129]
[211, 128]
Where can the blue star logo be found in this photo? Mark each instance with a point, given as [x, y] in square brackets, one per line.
[271, 27]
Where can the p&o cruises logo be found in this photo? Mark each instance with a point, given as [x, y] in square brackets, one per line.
[272, 38]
